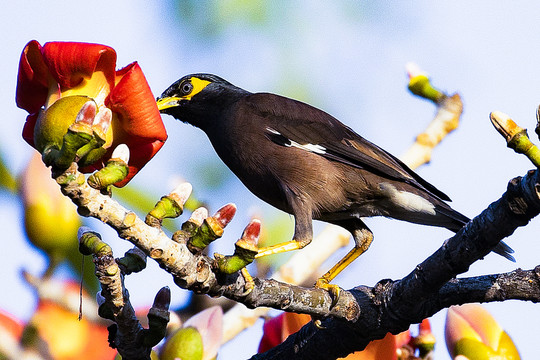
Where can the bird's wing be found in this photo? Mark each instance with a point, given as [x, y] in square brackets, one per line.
[296, 124]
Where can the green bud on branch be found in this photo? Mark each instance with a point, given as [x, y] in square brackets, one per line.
[515, 136]
[420, 85]
[116, 169]
[211, 228]
[169, 206]
[245, 250]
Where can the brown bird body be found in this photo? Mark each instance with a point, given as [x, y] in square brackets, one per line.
[305, 162]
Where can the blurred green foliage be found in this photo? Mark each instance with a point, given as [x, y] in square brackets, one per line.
[209, 18]
[7, 180]
[277, 227]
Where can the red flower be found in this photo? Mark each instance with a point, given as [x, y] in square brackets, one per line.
[10, 325]
[61, 69]
[67, 337]
[277, 329]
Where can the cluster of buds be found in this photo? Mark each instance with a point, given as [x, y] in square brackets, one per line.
[85, 115]
[200, 230]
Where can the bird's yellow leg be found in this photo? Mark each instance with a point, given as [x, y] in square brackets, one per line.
[281, 248]
[362, 244]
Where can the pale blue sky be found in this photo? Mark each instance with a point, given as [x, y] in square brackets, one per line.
[342, 57]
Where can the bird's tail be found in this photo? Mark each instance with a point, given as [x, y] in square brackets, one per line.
[458, 220]
[504, 250]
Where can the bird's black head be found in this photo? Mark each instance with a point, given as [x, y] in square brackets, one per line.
[198, 99]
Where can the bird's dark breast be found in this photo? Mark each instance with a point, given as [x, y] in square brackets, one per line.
[278, 174]
[301, 177]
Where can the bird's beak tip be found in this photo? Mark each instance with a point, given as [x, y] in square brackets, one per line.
[167, 102]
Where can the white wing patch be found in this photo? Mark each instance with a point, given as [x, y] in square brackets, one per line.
[407, 200]
[318, 149]
[273, 131]
[309, 147]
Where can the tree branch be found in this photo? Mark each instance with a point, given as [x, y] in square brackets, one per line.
[388, 307]
[391, 306]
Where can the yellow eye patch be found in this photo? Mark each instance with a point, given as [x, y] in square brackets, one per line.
[198, 86]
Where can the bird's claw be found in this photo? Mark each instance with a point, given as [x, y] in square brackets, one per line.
[333, 289]
[317, 322]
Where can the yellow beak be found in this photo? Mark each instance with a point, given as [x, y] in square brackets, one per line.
[168, 102]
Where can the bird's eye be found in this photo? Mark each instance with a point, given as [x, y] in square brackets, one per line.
[186, 88]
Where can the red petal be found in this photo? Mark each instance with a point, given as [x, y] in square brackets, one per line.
[425, 327]
[140, 154]
[28, 129]
[403, 338]
[11, 324]
[139, 124]
[277, 329]
[271, 334]
[384, 348]
[71, 62]
[32, 79]
[135, 104]
[293, 322]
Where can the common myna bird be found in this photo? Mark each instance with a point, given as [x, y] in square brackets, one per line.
[307, 163]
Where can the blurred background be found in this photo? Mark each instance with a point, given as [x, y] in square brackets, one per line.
[345, 57]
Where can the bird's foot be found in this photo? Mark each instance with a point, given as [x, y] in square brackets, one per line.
[334, 290]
